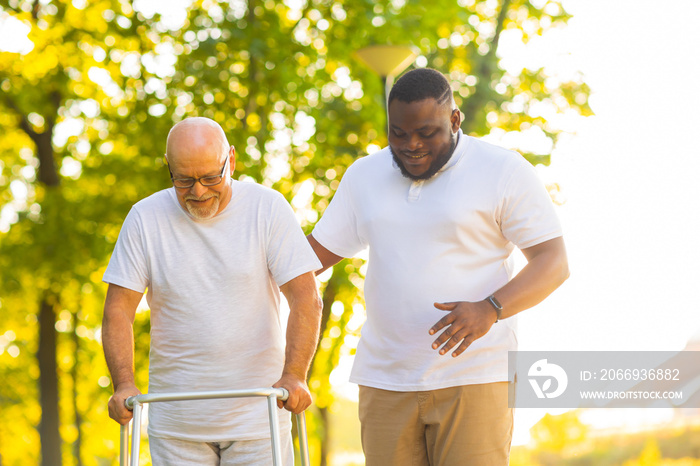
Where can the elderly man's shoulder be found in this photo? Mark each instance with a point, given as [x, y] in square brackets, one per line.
[257, 193]
[157, 199]
[253, 188]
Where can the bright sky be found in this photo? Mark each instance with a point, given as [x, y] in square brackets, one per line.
[629, 177]
[631, 218]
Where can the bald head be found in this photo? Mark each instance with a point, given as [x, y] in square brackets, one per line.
[197, 151]
[196, 137]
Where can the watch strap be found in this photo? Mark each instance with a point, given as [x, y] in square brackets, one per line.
[496, 305]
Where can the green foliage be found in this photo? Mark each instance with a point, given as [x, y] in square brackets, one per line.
[650, 456]
[84, 118]
[557, 436]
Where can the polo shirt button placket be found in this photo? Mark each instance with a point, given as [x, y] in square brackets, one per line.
[414, 190]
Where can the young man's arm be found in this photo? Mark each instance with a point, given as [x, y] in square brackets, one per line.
[302, 336]
[118, 342]
[327, 258]
[547, 268]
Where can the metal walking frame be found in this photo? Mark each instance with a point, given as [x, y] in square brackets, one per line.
[135, 403]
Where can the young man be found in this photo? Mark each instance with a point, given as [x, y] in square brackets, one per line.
[441, 213]
[214, 254]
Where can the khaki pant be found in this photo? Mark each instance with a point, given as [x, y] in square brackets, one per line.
[470, 425]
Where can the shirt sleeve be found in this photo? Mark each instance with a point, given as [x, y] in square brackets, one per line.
[288, 251]
[527, 214]
[337, 230]
[128, 266]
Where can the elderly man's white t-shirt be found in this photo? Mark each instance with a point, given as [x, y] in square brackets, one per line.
[214, 299]
[446, 239]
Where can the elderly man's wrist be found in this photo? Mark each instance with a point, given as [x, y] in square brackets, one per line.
[293, 373]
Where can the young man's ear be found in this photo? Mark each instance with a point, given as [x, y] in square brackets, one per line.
[456, 119]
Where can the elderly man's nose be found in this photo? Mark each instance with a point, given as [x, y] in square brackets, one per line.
[198, 189]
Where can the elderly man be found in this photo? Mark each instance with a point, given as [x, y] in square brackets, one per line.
[214, 254]
[441, 213]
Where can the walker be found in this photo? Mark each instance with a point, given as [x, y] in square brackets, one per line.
[135, 403]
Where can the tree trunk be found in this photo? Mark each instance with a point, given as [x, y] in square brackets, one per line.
[77, 445]
[48, 385]
[329, 295]
[328, 299]
[324, 440]
[485, 67]
[48, 379]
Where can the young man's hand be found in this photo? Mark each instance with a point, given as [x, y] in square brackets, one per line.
[465, 323]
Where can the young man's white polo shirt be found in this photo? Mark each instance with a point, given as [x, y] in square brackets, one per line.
[445, 239]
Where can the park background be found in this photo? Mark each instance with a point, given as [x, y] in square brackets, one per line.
[601, 96]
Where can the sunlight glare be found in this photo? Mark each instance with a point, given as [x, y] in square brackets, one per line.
[71, 168]
[14, 35]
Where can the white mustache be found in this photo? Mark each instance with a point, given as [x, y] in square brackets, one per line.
[190, 197]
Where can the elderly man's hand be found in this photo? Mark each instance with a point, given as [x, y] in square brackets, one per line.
[117, 408]
[465, 323]
[299, 395]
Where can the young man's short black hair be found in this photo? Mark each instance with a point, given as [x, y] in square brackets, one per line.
[420, 84]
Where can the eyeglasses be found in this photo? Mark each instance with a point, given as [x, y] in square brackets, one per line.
[211, 180]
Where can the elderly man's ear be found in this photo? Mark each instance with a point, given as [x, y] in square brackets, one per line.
[232, 156]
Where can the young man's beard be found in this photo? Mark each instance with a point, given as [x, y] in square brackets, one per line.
[435, 166]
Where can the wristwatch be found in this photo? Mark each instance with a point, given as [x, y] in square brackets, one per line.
[496, 305]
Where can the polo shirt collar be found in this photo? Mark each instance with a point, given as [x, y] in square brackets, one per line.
[460, 149]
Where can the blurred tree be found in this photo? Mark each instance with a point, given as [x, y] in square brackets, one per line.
[650, 455]
[68, 109]
[554, 436]
[666, 445]
[84, 116]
